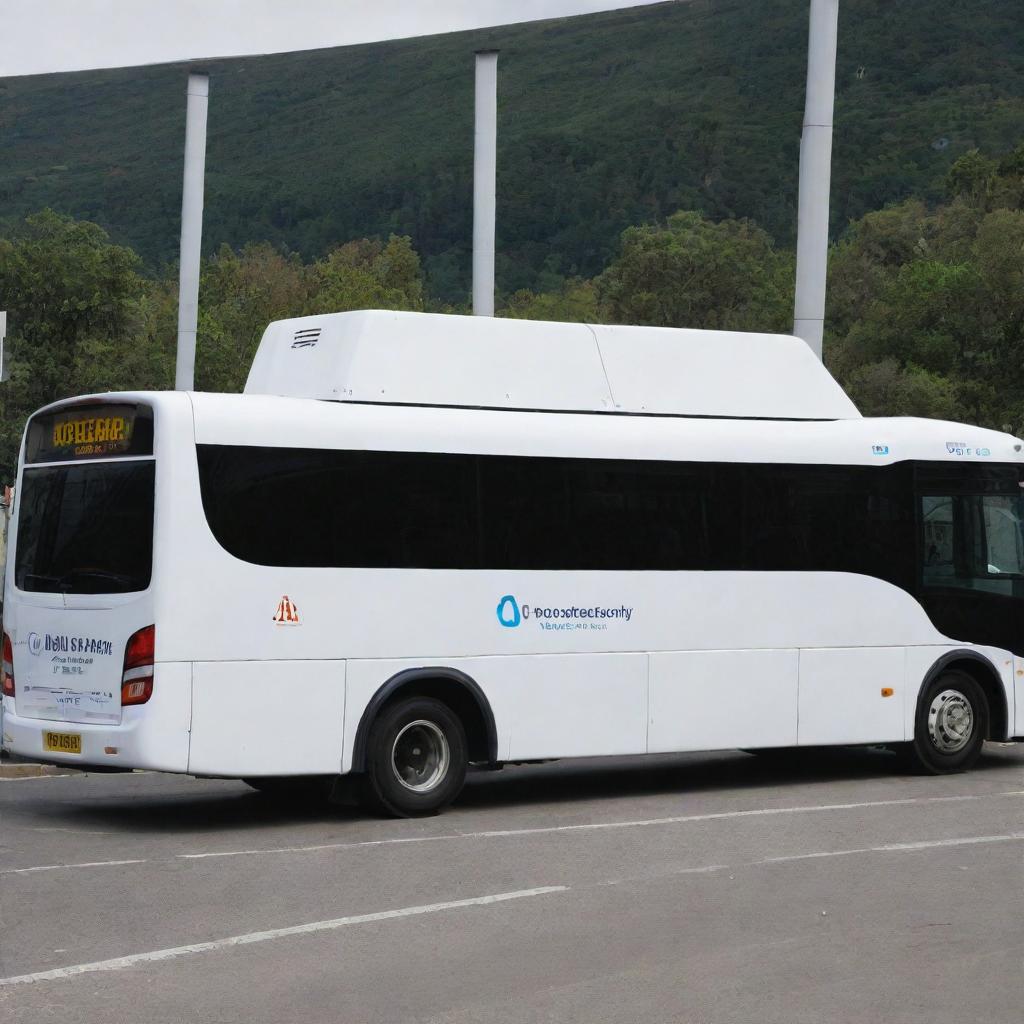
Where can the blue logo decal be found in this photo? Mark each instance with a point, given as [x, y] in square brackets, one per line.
[879, 449]
[508, 612]
[35, 643]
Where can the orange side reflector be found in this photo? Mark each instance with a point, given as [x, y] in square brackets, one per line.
[887, 691]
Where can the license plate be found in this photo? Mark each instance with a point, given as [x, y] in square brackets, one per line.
[62, 742]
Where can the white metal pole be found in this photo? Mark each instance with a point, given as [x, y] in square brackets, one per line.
[485, 166]
[815, 175]
[4, 372]
[191, 230]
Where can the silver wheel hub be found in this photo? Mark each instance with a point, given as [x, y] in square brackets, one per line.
[420, 756]
[950, 721]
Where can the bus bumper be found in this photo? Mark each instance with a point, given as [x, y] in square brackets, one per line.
[154, 735]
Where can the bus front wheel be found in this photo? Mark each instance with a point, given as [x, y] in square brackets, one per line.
[416, 758]
[951, 724]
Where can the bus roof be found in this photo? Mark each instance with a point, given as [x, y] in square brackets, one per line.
[267, 421]
[481, 362]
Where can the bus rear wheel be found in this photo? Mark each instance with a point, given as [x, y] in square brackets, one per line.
[416, 758]
[951, 724]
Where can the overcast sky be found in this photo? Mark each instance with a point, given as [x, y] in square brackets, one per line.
[38, 36]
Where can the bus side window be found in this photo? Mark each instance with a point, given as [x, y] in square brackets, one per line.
[972, 541]
[937, 519]
[1004, 554]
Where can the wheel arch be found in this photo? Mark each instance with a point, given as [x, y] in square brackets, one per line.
[986, 675]
[456, 689]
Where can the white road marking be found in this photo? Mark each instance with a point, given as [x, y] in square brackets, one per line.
[512, 833]
[122, 962]
[68, 867]
[35, 778]
[597, 826]
[72, 831]
[709, 869]
[248, 938]
[928, 844]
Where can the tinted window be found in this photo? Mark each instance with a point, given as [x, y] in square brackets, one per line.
[86, 529]
[419, 510]
[598, 514]
[279, 506]
[830, 518]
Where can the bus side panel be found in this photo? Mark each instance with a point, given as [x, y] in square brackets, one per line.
[841, 695]
[717, 700]
[267, 718]
[573, 705]
[579, 705]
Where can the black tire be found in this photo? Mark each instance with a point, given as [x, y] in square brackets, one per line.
[951, 724]
[416, 758]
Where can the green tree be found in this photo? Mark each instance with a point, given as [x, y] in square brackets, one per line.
[926, 306]
[972, 177]
[691, 272]
[76, 321]
[886, 389]
[239, 294]
[367, 274]
[574, 302]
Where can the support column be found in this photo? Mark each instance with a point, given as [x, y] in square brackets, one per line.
[485, 164]
[191, 230]
[815, 175]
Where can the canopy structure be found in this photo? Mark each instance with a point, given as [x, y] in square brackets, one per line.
[482, 362]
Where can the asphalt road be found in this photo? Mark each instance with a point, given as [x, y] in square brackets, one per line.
[715, 888]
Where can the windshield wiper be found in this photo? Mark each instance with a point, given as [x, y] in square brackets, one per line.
[39, 577]
[65, 583]
[72, 575]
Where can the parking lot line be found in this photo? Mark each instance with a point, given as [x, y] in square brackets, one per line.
[248, 938]
[928, 844]
[601, 825]
[122, 962]
[68, 867]
[513, 833]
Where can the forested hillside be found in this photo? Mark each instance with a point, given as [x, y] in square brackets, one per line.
[605, 121]
[925, 311]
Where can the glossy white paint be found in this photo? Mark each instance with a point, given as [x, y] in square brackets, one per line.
[841, 695]
[299, 423]
[703, 660]
[439, 360]
[250, 716]
[714, 700]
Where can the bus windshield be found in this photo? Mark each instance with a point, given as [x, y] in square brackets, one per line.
[86, 529]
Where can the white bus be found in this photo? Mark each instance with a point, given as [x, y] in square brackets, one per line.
[419, 542]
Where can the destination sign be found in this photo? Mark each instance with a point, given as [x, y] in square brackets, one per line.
[96, 431]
